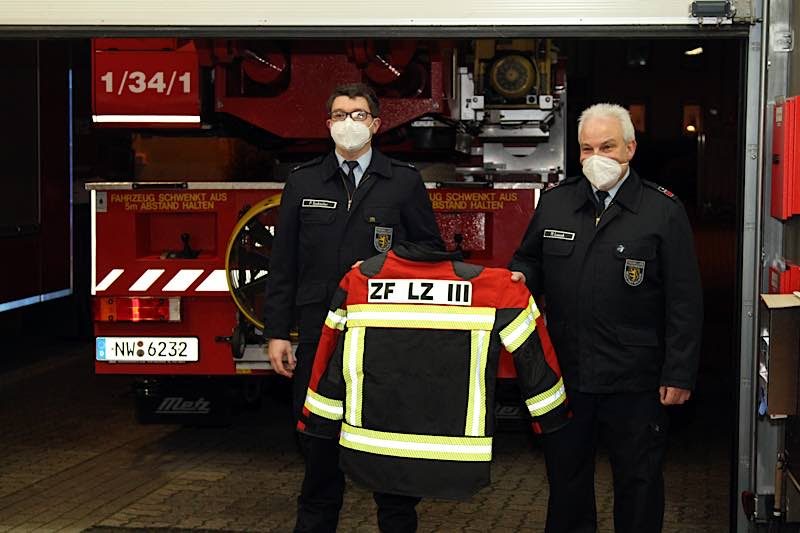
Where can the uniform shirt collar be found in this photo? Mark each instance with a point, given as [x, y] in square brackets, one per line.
[363, 161]
[612, 192]
[378, 164]
[627, 193]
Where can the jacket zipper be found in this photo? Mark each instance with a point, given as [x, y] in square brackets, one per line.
[347, 189]
[597, 219]
[347, 192]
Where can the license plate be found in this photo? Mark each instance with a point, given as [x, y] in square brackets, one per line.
[147, 349]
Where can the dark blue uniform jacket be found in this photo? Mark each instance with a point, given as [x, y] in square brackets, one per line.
[622, 297]
[322, 230]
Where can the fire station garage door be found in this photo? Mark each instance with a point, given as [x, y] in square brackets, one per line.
[182, 14]
[461, 18]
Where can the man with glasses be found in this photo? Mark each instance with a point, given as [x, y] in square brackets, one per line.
[336, 210]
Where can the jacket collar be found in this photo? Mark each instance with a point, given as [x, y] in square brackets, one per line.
[380, 165]
[628, 196]
[419, 252]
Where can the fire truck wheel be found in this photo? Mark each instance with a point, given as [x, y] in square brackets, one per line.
[247, 258]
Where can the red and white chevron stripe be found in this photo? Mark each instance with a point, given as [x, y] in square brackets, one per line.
[159, 280]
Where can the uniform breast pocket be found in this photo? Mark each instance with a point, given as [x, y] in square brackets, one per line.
[634, 262]
[316, 227]
[316, 215]
[558, 268]
[557, 248]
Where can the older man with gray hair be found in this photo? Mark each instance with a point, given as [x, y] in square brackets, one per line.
[611, 257]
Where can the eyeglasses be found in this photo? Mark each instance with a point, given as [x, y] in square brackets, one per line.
[359, 115]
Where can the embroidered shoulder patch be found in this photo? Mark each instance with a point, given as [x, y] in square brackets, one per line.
[382, 238]
[634, 272]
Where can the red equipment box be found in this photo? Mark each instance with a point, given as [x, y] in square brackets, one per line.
[786, 281]
[785, 201]
[145, 82]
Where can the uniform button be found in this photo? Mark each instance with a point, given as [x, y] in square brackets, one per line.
[620, 248]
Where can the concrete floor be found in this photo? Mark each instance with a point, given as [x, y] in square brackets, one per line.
[72, 458]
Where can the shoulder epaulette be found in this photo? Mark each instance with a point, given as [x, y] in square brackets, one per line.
[406, 164]
[550, 186]
[313, 162]
[663, 190]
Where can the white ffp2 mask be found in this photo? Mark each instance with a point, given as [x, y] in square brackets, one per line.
[350, 135]
[602, 172]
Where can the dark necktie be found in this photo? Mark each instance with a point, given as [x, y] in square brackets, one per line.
[351, 175]
[600, 203]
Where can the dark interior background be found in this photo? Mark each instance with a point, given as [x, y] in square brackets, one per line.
[702, 166]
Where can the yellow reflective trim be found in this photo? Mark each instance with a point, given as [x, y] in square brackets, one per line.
[476, 403]
[518, 331]
[421, 324]
[417, 308]
[360, 374]
[324, 406]
[336, 319]
[548, 400]
[437, 447]
[354, 373]
[420, 316]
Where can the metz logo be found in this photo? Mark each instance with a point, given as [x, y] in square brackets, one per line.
[177, 405]
[420, 291]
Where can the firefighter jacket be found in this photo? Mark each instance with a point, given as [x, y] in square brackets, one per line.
[622, 293]
[322, 230]
[405, 371]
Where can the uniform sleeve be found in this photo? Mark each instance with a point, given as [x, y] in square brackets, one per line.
[418, 217]
[323, 409]
[525, 336]
[683, 300]
[528, 257]
[281, 283]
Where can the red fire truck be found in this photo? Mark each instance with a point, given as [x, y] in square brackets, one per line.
[179, 265]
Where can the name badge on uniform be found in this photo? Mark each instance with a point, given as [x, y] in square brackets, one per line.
[420, 291]
[559, 234]
[634, 272]
[318, 203]
[382, 238]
